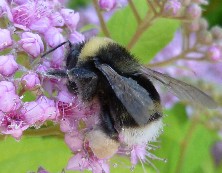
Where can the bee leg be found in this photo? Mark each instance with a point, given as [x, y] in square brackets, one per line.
[85, 81]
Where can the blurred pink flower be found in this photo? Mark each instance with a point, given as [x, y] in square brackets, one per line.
[172, 7]
[53, 37]
[107, 4]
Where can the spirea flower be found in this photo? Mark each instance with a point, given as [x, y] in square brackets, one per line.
[8, 65]
[6, 39]
[107, 4]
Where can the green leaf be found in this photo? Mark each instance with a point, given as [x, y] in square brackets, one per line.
[30, 153]
[123, 25]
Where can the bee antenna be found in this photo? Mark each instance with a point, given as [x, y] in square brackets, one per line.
[61, 44]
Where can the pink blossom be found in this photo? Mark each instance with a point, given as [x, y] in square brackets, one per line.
[13, 123]
[76, 37]
[107, 4]
[30, 81]
[25, 14]
[20, 2]
[81, 162]
[40, 110]
[31, 43]
[40, 25]
[57, 57]
[8, 65]
[11, 101]
[57, 19]
[214, 53]
[172, 7]
[74, 140]
[6, 86]
[6, 39]
[138, 153]
[193, 11]
[53, 37]
[71, 18]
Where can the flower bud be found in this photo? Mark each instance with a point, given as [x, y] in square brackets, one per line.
[76, 37]
[71, 19]
[6, 86]
[193, 11]
[41, 25]
[32, 44]
[214, 53]
[6, 39]
[10, 101]
[193, 26]
[53, 37]
[204, 37]
[107, 4]
[57, 19]
[203, 24]
[8, 66]
[30, 81]
[172, 7]
[216, 32]
[185, 2]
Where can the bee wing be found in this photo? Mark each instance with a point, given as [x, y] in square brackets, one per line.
[134, 97]
[181, 89]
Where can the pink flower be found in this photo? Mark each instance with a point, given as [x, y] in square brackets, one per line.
[172, 7]
[107, 4]
[76, 37]
[193, 11]
[57, 19]
[6, 86]
[138, 153]
[57, 57]
[25, 14]
[13, 123]
[40, 110]
[6, 39]
[30, 81]
[41, 25]
[71, 19]
[9, 101]
[31, 43]
[20, 2]
[74, 140]
[214, 53]
[53, 37]
[82, 161]
[8, 66]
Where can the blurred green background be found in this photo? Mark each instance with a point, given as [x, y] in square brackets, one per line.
[186, 142]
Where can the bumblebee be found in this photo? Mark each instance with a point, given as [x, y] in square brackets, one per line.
[131, 111]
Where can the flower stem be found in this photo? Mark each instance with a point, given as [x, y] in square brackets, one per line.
[142, 27]
[135, 12]
[184, 144]
[101, 19]
[48, 131]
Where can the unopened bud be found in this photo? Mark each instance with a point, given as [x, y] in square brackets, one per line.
[216, 32]
[204, 37]
[107, 4]
[203, 24]
[193, 11]
[214, 53]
